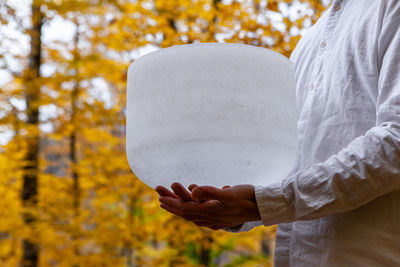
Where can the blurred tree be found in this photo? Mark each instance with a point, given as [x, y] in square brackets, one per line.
[32, 98]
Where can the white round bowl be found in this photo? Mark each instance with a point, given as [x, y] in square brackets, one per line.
[211, 114]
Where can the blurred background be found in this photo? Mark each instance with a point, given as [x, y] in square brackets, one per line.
[67, 195]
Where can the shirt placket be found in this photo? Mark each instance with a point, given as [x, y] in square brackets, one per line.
[316, 76]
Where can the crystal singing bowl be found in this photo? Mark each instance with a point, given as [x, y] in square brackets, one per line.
[211, 114]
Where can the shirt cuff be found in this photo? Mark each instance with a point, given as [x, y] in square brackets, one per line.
[271, 204]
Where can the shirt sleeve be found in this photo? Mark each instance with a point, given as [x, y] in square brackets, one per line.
[367, 168]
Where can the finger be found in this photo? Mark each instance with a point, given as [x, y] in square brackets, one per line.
[180, 214]
[169, 209]
[183, 208]
[192, 186]
[181, 192]
[191, 218]
[162, 191]
[210, 192]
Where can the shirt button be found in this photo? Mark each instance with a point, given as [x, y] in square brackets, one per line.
[312, 85]
[323, 44]
[337, 7]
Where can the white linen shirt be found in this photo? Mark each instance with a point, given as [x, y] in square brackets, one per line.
[340, 204]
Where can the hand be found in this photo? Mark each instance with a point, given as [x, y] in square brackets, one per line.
[209, 206]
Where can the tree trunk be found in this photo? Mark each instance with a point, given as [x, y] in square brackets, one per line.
[30, 253]
[72, 139]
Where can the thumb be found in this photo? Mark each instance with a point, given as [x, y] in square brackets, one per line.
[212, 193]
